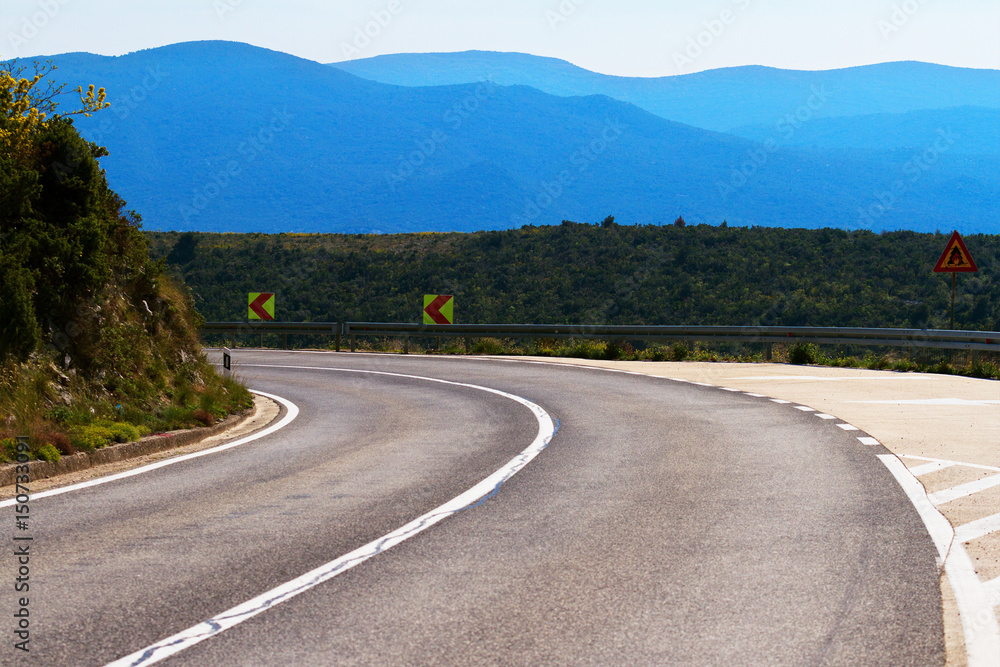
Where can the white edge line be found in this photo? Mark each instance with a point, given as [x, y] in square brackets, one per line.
[979, 622]
[227, 619]
[293, 411]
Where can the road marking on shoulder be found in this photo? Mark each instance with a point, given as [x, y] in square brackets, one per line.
[963, 490]
[977, 466]
[293, 411]
[976, 529]
[848, 427]
[265, 601]
[957, 402]
[975, 601]
[928, 468]
[868, 440]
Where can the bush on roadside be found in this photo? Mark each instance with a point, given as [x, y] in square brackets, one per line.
[803, 354]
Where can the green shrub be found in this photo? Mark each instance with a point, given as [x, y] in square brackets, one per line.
[46, 452]
[584, 349]
[679, 352]
[8, 450]
[487, 346]
[985, 369]
[90, 437]
[120, 431]
[803, 354]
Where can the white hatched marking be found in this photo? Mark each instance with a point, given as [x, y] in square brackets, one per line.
[928, 468]
[954, 463]
[963, 490]
[871, 442]
[974, 599]
[977, 529]
[848, 427]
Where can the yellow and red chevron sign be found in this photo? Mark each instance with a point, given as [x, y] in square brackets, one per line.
[439, 309]
[261, 306]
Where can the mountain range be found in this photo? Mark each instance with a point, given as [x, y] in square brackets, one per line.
[222, 136]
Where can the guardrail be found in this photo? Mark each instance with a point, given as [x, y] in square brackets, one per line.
[978, 341]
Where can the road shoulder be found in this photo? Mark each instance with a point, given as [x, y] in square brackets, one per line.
[126, 456]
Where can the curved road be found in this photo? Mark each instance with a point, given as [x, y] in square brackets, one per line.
[666, 523]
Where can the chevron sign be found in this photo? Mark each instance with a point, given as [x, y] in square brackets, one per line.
[261, 306]
[439, 309]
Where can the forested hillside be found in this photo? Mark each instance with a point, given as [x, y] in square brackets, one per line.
[594, 274]
[96, 342]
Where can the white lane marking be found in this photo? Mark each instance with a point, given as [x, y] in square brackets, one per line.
[936, 401]
[701, 384]
[825, 416]
[963, 490]
[804, 408]
[975, 604]
[928, 468]
[755, 395]
[729, 389]
[780, 401]
[979, 528]
[954, 463]
[292, 413]
[848, 427]
[871, 442]
[232, 617]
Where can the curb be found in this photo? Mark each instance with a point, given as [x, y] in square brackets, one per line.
[151, 444]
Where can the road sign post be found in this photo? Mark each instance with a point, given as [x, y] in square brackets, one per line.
[955, 260]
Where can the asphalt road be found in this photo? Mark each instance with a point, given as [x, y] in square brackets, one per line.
[666, 523]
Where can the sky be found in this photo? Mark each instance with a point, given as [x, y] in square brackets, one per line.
[623, 37]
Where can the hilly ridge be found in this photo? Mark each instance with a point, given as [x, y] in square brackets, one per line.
[220, 136]
[720, 100]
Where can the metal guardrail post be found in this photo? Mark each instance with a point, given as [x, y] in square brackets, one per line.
[339, 328]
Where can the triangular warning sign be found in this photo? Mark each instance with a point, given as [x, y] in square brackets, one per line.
[956, 258]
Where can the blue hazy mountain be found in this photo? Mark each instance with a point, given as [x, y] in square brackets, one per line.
[720, 99]
[977, 131]
[220, 136]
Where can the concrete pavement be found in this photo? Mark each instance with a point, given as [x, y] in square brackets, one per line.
[945, 429]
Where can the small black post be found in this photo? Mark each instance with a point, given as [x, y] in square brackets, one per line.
[338, 329]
